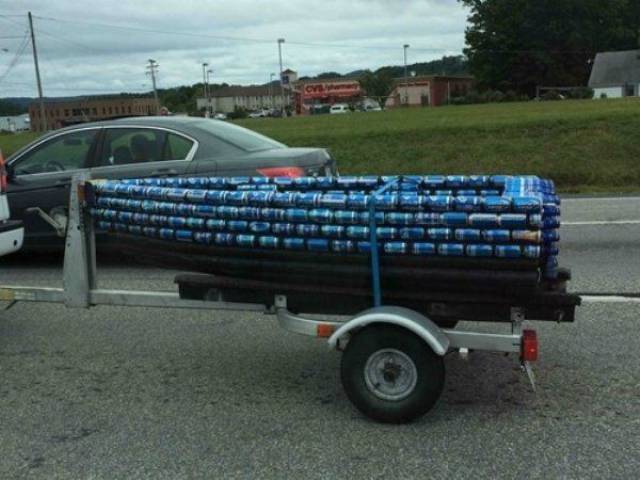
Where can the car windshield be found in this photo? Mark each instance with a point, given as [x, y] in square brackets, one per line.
[241, 137]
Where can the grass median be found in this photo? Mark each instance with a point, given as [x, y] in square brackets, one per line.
[585, 146]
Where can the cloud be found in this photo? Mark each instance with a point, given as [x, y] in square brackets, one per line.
[84, 50]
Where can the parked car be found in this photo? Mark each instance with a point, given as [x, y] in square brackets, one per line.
[39, 174]
[11, 231]
[220, 116]
[260, 114]
[340, 108]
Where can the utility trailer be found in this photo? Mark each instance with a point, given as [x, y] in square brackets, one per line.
[392, 366]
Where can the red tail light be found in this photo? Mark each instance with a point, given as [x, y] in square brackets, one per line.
[291, 172]
[529, 346]
[3, 175]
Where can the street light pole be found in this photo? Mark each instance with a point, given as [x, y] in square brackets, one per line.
[406, 78]
[204, 85]
[209, 107]
[271, 75]
[280, 42]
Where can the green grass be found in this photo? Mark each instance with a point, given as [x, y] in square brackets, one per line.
[10, 142]
[585, 146]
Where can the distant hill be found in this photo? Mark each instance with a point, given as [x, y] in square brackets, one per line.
[14, 105]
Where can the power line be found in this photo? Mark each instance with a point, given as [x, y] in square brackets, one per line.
[16, 57]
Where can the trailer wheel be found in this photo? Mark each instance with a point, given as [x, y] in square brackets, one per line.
[390, 374]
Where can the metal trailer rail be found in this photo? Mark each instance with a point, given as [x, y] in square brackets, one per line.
[392, 367]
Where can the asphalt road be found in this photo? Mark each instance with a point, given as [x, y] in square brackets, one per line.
[145, 393]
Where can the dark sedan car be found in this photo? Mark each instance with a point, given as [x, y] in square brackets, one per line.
[40, 173]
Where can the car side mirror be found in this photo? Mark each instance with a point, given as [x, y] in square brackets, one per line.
[11, 173]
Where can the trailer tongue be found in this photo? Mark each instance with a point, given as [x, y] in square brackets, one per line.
[392, 366]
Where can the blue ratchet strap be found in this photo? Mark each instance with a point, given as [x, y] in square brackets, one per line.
[373, 241]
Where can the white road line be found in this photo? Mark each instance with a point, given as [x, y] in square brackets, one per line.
[601, 222]
[599, 199]
[611, 299]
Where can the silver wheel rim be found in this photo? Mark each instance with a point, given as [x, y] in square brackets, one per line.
[390, 374]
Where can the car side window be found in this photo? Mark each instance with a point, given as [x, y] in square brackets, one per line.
[123, 146]
[66, 152]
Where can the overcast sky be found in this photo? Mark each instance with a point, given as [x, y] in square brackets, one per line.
[102, 47]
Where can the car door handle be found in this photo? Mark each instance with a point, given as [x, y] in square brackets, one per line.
[164, 171]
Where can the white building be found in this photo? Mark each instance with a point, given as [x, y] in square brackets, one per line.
[616, 74]
[16, 123]
[253, 97]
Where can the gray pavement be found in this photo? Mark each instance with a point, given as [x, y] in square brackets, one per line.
[145, 393]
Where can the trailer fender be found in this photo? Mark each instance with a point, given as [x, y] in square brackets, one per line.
[403, 317]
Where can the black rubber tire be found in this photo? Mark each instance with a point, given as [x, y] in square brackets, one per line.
[429, 367]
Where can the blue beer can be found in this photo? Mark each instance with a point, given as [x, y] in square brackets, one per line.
[215, 224]
[549, 236]
[125, 217]
[260, 227]
[216, 197]
[534, 220]
[551, 249]
[225, 239]
[456, 181]
[249, 213]
[318, 244]
[203, 237]
[531, 251]
[133, 204]
[283, 199]
[451, 249]
[150, 206]
[150, 232]
[227, 212]
[399, 218]
[158, 219]
[479, 250]
[445, 193]
[455, 219]
[296, 215]
[358, 200]
[184, 235]
[364, 217]
[135, 229]
[321, 215]
[325, 183]
[489, 192]
[176, 194]
[333, 200]
[412, 233]
[293, 243]
[165, 233]
[465, 193]
[529, 204]
[365, 246]
[508, 251]
[467, 203]
[304, 183]
[285, 229]
[167, 207]
[436, 233]
[499, 180]
[496, 235]
[357, 232]
[513, 220]
[386, 201]
[484, 220]
[235, 181]
[259, 198]
[217, 182]
[272, 214]
[237, 225]
[424, 248]
[177, 222]
[237, 198]
[333, 231]
[307, 199]
[196, 196]
[346, 217]
[186, 209]
[412, 201]
[269, 241]
[307, 229]
[423, 218]
[478, 181]
[550, 222]
[195, 223]
[141, 218]
[343, 246]
[347, 182]
[386, 233]
[246, 240]
[439, 203]
[434, 181]
[550, 209]
[467, 234]
[496, 204]
[396, 248]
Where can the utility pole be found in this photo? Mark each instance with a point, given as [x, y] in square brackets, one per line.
[205, 90]
[209, 106]
[406, 78]
[43, 118]
[280, 42]
[153, 70]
